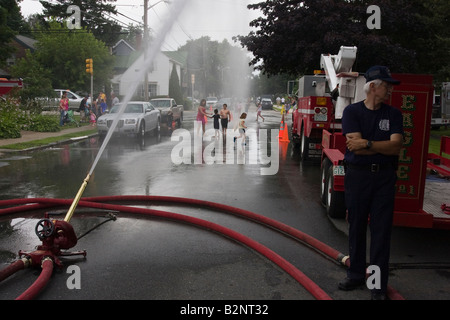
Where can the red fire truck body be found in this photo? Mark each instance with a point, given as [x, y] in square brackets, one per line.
[317, 130]
[6, 86]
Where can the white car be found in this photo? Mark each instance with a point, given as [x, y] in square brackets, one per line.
[138, 118]
[53, 102]
[210, 102]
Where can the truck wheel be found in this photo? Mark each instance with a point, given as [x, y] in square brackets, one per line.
[335, 200]
[326, 163]
[304, 147]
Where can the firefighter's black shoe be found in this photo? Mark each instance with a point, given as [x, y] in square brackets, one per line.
[351, 284]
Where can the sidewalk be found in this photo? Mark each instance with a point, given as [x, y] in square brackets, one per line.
[31, 136]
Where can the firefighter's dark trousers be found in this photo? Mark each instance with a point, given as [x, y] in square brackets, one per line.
[370, 196]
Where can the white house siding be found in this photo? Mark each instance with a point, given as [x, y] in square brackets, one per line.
[158, 76]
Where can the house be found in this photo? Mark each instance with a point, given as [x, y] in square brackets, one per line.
[21, 44]
[129, 64]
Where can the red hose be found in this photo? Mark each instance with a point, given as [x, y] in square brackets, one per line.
[11, 269]
[92, 202]
[315, 290]
[41, 281]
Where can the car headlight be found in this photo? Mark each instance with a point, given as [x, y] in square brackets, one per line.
[101, 121]
[130, 121]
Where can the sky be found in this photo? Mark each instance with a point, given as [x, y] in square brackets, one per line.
[218, 19]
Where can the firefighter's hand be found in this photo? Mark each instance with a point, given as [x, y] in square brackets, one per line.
[356, 144]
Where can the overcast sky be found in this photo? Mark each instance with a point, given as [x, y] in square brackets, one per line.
[218, 19]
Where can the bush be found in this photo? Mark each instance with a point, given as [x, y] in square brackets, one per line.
[13, 119]
[40, 123]
[10, 119]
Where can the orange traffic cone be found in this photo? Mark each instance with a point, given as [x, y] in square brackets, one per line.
[280, 132]
[283, 146]
[283, 136]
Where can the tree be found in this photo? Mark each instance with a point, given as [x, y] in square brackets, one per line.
[64, 52]
[220, 69]
[11, 22]
[291, 35]
[174, 86]
[93, 14]
[35, 76]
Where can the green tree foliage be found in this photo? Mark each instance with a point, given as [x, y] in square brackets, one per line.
[220, 69]
[174, 86]
[291, 35]
[64, 52]
[11, 22]
[93, 16]
[35, 76]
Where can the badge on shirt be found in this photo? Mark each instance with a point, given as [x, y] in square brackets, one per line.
[384, 124]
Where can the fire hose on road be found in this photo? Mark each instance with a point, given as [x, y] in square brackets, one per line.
[30, 204]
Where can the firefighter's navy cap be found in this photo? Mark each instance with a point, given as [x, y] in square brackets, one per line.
[380, 72]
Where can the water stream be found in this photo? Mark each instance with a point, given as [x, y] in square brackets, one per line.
[153, 48]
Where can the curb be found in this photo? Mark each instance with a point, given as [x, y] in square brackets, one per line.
[50, 145]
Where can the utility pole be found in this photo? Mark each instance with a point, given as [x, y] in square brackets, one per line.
[146, 42]
[146, 97]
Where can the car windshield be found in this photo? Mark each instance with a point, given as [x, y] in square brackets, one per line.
[131, 108]
[161, 103]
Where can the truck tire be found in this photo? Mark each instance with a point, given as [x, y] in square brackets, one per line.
[326, 163]
[304, 146]
[335, 200]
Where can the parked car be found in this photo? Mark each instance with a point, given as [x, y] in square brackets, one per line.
[210, 102]
[52, 103]
[266, 103]
[219, 104]
[170, 111]
[138, 118]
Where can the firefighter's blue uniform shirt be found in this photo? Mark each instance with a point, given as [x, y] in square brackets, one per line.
[374, 125]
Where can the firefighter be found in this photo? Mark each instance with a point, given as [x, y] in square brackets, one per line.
[374, 133]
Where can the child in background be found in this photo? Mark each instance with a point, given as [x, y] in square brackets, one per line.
[258, 112]
[92, 118]
[242, 127]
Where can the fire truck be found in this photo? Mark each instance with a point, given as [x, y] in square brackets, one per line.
[6, 86]
[317, 133]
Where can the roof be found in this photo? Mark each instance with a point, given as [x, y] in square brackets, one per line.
[26, 42]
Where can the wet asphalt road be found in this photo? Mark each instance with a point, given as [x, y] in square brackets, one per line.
[137, 257]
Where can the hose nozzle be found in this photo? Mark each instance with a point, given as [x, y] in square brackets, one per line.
[77, 199]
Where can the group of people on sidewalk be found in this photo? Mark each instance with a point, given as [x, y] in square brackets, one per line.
[88, 111]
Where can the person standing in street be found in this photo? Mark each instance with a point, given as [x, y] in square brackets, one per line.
[201, 115]
[225, 118]
[216, 118]
[374, 133]
[258, 112]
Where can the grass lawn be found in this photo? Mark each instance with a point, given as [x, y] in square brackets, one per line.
[435, 139]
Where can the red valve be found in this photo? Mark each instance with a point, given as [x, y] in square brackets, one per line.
[56, 235]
